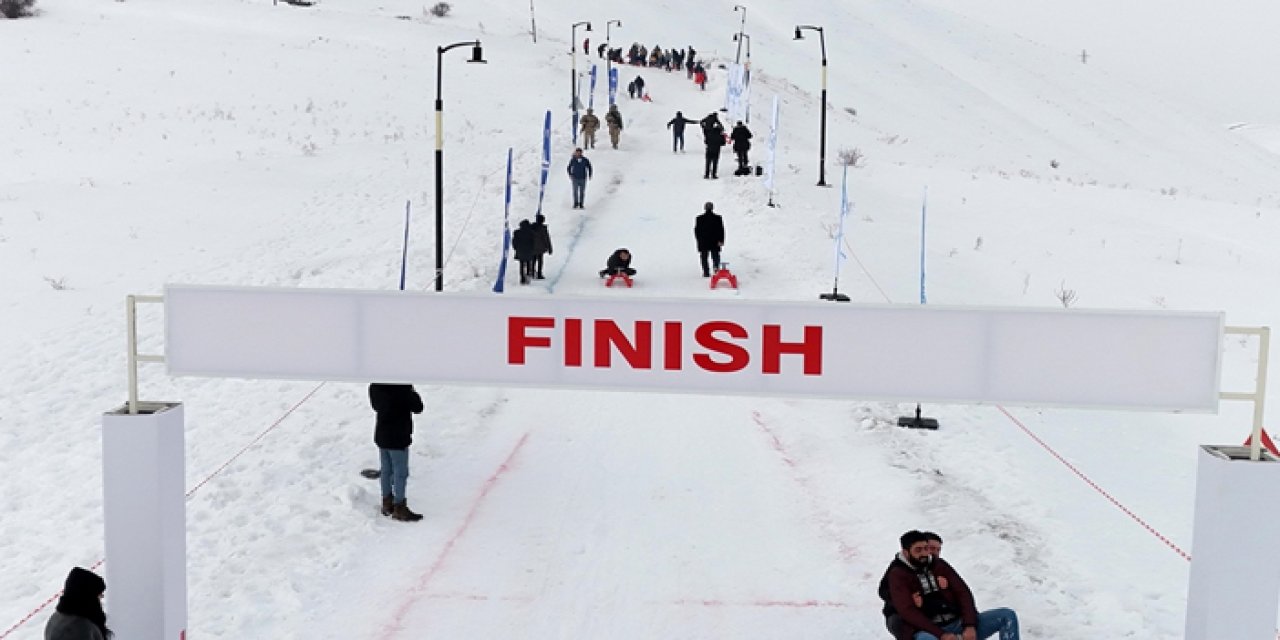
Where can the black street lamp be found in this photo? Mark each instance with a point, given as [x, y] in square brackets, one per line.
[737, 58]
[738, 38]
[573, 51]
[822, 144]
[477, 55]
[608, 59]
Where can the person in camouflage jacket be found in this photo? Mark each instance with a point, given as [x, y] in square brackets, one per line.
[590, 124]
[614, 120]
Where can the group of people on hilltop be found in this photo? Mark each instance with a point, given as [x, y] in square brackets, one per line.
[657, 58]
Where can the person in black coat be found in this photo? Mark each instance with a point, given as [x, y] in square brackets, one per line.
[676, 125]
[619, 262]
[79, 615]
[639, 87]
[713, 135]
[708, 231]
[395, 405]
[741, 137]
[522, 243]
[541, 243]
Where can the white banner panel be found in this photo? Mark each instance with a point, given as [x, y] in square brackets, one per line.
[1162, 361]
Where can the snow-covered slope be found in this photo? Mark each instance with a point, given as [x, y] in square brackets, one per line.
[246, 143]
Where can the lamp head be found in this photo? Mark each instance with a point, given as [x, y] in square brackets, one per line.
[798, 34]
[477, 54]
[588, 26]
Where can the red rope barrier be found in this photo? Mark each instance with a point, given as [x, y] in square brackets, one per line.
[43, 605]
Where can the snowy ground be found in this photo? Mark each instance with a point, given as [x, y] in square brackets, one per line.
[244, 143]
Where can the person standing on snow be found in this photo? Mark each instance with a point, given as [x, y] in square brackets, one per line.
[395, 405]
[713, 135]
[522, 245]
[79, 614]
[614, 119]
[741, 137]
[579, 172]
[590, 123]
[700, 76]
[708, 232]
[676, 125]
[541, 244]
[639, 82]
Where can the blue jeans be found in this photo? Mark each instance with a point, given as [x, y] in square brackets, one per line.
[1002, 621]
[395, 472]
[579, 191]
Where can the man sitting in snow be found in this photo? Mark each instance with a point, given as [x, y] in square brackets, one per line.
[930, 601]
[619, 263]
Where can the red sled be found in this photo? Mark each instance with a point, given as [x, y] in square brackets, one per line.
[723, 273]
[608, 282]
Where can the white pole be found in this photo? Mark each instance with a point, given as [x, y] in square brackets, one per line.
[144, 520]
[1235, 581]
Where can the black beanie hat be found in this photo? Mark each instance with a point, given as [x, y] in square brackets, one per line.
[83, 582]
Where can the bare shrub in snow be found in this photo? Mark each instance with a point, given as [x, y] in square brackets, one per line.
[440, 9]
[1066, 296]
[58, 284]
[17, 8]
[850, 157]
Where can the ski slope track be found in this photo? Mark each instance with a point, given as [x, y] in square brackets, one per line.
[246, 143]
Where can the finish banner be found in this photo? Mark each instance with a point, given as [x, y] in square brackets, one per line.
[1163, 361]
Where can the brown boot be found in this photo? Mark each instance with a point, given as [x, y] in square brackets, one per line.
[401, 512]
[388, 505]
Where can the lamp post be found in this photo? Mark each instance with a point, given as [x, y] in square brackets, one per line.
[738, 38]
[573, 51]
[477, 55]
[737, 58]
[822, 144]
[608, 59]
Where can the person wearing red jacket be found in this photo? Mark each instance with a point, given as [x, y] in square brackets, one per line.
[932, 602]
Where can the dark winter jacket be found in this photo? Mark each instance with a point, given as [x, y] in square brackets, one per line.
[639, 82]
[902, 580]
[522, 241]
[541, 238]
[68, 627]
[616, 262]
[394, 404]
[79, 614]
[613, 118]
[741, 137]
[708, 230]
[579, 167]
[712, 132]
[677, 123]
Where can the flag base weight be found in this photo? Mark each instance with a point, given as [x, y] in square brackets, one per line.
[918, 422]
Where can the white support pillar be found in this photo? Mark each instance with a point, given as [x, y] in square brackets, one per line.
[1235, 577]
[144, 520]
